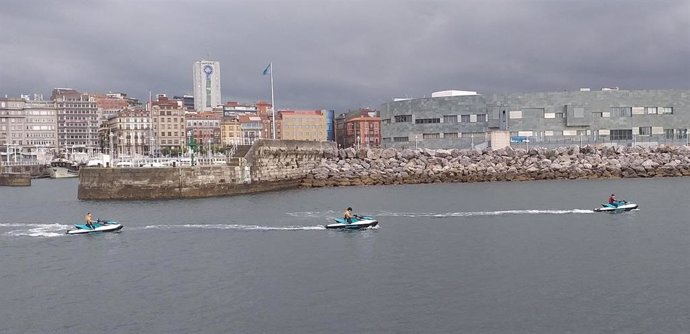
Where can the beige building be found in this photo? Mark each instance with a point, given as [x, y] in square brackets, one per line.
[128, 133]
[230, 131]
[168, 118]
[302, 125]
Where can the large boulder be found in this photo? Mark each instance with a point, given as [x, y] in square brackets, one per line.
[388, 153]
[374, 153]
[350, 153]
[408, 154]
[443, 153]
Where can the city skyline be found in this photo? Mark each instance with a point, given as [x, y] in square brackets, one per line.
[344, 55]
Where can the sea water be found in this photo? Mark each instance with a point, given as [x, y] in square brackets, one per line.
[521, 257]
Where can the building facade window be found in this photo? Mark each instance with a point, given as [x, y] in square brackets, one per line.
[427, 120]
[621, 134]
[665, 110]
[645, 131]
[401, 139]
[650, 110]
[431, 135]
[668, 133]
[681, 133]
[481, 117]
[515, 114]
[403, 119]
[450, 135]
[450, 118]
[465, 118]
[621, 112]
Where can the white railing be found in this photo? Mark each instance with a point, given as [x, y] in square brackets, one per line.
[23, 163]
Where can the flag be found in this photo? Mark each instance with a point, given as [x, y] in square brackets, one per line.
[268, 69]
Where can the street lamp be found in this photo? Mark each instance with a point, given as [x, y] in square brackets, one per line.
[110, 142]
[415, 142]
[358, 143]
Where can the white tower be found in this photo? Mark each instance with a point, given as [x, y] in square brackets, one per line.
[206, 85]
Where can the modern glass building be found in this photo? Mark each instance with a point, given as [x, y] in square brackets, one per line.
[330, 124]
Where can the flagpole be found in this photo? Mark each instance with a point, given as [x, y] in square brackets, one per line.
[273, 102]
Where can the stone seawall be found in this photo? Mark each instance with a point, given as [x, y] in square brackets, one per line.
[391, 166]
[15, 179]
[35, 171]
[277, 160]
[156, 183]
[269, 165]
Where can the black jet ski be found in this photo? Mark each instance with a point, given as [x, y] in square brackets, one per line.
[358, 222]
[98, 226]
[621, 206]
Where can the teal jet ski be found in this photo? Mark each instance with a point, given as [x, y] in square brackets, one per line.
[98, 227]
[620, 206]
[358, 222]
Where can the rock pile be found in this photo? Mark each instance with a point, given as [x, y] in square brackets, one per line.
[391, 166]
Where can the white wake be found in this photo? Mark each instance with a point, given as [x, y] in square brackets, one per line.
[35, 229]
[332, 214]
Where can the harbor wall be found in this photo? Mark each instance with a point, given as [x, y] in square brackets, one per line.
[15, 179]
[36, 171]
[276, 165]
[269, 165]
[277, 160]
[405, 166]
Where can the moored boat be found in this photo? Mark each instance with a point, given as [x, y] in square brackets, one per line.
[63, 168]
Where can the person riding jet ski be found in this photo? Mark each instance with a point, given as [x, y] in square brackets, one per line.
[614, 202]
[347, 215]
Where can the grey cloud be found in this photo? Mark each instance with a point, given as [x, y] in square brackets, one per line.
[344, 54]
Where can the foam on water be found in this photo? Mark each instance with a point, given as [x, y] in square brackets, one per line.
[312, 214]
[483, 213]
[36, 230]
[331, 213]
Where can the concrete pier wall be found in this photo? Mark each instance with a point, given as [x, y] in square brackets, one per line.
[15, 179]
[269, 165]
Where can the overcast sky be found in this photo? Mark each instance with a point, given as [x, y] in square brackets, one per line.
[343, 54]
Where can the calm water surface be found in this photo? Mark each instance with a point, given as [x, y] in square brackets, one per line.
[524, 257]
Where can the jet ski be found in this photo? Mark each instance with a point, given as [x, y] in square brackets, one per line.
[99, 226]
[620, 207]
[358, 222]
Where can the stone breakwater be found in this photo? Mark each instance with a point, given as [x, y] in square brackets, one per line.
[390, 166]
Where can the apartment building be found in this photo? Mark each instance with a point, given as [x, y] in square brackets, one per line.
[77, 121]
[28, 128]
[128, 134]
[302, 125]
[359, 128]
[205, 127]
[168, 119]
